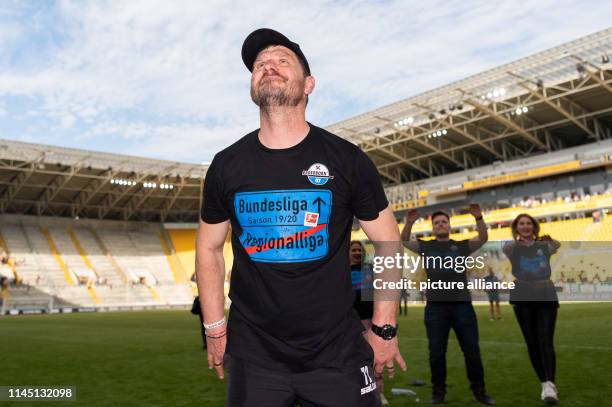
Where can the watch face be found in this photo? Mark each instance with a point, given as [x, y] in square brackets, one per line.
[388, 332]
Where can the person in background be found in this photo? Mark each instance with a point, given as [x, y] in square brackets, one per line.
[5, 295]
[196, 309]
[404, 295]
[493, 295]
[534, 298]
[361, 278]
[450, 308]
[596, 216]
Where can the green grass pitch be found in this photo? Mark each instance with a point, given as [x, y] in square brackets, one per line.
[155, 358]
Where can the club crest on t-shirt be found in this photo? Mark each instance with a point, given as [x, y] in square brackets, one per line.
[284, 226]
[317, 174]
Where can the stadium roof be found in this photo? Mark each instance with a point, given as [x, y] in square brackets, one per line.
[549, 101]
[45, 180]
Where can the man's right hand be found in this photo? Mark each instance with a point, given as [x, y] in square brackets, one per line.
[386, 354]
[412, 216]
[215, 346]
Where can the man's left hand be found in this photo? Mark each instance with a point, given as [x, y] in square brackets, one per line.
[386, 354]
[475, 210]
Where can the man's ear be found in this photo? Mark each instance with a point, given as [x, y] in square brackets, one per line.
[309, 85]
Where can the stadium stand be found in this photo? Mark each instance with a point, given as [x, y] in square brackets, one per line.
[104, 263]
[580, 170]
[106, 267]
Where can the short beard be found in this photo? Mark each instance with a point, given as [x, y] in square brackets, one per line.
[267, 98]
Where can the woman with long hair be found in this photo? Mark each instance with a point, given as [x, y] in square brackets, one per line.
[534, 298]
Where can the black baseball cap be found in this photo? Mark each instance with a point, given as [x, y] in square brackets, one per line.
[264, 37]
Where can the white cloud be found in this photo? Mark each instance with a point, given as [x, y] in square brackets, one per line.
[9, 34]
[169, 74]
[68, 121]
[189, 143]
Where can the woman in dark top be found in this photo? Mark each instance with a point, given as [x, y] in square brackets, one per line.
[534, 298]
[362, 281]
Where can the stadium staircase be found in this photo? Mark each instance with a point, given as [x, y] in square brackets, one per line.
[175, 264]
[183, 241]
[5, 249]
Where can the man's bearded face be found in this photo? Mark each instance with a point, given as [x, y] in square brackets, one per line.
[278, 78]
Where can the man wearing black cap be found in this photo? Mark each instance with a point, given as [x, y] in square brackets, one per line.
[290, 191]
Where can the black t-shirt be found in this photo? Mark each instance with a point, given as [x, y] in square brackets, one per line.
[291, 212]
[531, 268]
[441, 262]
[361, 278]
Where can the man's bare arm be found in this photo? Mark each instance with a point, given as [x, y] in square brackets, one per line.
[412, 245]
[383, 232]
[553, 245]
[481, 227]
[210, 270]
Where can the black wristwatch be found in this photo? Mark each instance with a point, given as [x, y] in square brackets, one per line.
[478, 217]
[387, 332]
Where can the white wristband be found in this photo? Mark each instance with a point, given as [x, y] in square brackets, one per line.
[214, 325]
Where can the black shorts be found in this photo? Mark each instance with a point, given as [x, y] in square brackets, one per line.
[251, 385]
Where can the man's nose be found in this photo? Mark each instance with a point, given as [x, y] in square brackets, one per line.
[270, 66]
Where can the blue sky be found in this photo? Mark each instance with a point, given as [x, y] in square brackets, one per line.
[164, 79]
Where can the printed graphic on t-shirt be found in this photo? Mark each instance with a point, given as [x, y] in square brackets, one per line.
[284, 226]
[361, 279]
[534, 266]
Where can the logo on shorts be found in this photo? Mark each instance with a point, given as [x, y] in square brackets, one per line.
[370, 385]
[318, 174]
